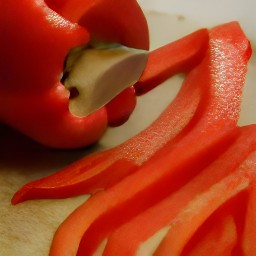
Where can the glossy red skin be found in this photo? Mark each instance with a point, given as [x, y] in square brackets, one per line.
[212, 132]
[108, 20]
[35, 46]
[89, 174]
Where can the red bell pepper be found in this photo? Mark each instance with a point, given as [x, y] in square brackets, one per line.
[222, 75]
[33, 99]
[100, 170]
[167, 210]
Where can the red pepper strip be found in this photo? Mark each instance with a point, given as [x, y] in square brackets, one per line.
[230, 210]
[32, 98]
[202, 206]
[176, 57]
[89, 174]
[220, 238]
[108, 209]
[249, 233]
[164, 212]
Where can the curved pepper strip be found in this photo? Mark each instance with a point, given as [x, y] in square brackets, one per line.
[189, 220]
[103, 169]
[32, 98]
[219, 239]
[173, 58]
[168, 209]
[212, 133]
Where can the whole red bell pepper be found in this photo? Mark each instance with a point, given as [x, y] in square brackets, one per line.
[33, 98]
[212, 132]
[35, 43]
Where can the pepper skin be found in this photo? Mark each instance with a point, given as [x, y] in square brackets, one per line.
[212, 133]
[176, 57]
[33, 99]
[34, 47]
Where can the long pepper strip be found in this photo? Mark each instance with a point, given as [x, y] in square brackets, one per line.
[164, 212]
[176, 57]
[188, 220]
